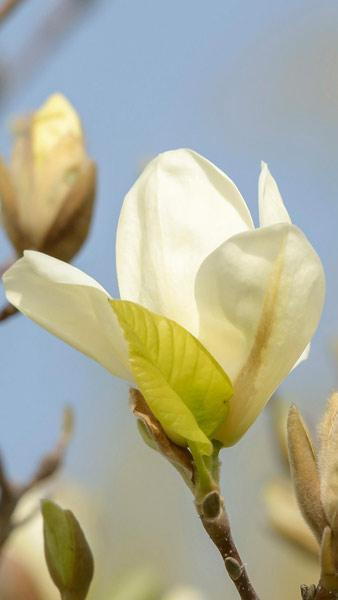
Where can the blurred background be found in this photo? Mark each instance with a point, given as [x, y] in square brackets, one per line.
[238, 82]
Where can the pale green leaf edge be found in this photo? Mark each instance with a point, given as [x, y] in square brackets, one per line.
[176, 418]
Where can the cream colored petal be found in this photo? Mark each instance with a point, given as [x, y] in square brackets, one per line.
[303, 356]
[260, 296]
[271, 205]
[179, 210]
[54, 120]
[48, 157]
[71, 305]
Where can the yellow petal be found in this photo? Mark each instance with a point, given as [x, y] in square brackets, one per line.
[55, 120]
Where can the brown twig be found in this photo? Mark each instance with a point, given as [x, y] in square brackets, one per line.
[151, 428]
[7, 311]
[42, 41]
[11, 493]
[321, 593]
[7, 7]
[216, 523]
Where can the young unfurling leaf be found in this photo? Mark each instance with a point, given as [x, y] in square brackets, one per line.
[183, 385]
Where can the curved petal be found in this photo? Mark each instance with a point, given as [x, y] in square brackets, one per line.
[271, 205]
[71, 305]
[260, 296]
[179, 210]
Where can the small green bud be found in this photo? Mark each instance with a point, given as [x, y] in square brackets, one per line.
[68, 556]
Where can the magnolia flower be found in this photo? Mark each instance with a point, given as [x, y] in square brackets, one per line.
[47, 190]
[187, 249]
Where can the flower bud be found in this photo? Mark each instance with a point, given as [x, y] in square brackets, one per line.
[305, 473]
[329, 577]
[48, 189]
[68, 556]
[328, 461]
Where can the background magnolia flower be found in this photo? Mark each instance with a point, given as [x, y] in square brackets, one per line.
[187, 249]
[285, 517]
[16, 583]
[47, 190]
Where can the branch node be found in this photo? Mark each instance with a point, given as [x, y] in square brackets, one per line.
[234, 568]
[212, 505]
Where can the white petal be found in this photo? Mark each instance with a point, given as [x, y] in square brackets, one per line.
[271, 205]
[303, 356]
[71, 305]
[271, 211]
[260, 296]
[179, 210]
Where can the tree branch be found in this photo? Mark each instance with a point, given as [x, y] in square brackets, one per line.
[7, 311]
[10, 493]
[216, 523]
[202, 479]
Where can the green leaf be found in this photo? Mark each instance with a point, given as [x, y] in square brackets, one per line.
[69, 558]
[183, 385]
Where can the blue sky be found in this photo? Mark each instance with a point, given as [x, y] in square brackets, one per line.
[237, 81]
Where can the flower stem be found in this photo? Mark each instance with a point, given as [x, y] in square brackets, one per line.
[216, 523]
[203, 480]
[71, 596]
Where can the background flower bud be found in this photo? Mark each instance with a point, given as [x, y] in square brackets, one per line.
[48, 189]
[68, 555]
[304, 473]
[327, 459]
